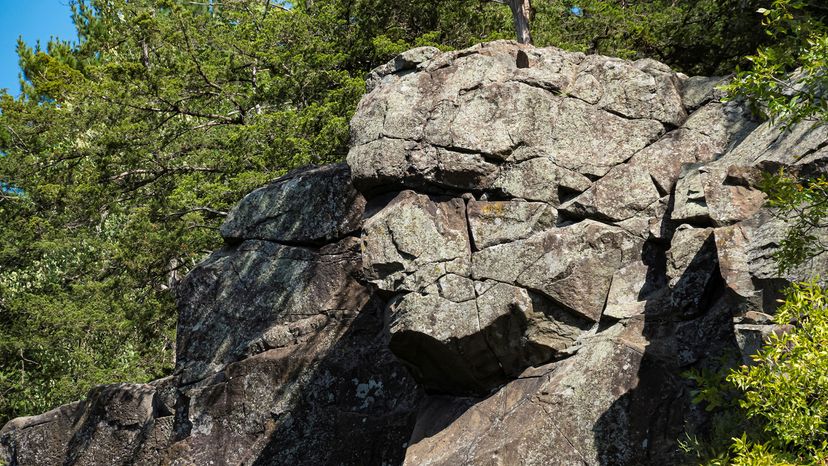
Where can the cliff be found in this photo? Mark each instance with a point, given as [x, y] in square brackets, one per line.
[524, 251]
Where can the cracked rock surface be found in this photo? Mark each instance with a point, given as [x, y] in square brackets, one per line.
[514, 267]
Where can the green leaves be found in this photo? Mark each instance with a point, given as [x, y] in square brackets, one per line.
[131, 146]
[805, 203]
[775, 411]
[787, 79]
[788, 385]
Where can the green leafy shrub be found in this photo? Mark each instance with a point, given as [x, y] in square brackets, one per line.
[804, 202]
[788, 77]
[775, 411]
[788, 385]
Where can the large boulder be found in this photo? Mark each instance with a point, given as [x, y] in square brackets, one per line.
[526, 250]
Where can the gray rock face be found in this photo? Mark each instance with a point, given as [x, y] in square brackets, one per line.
[464, 119]
[615, 239]
[496, 222]
[515, 267]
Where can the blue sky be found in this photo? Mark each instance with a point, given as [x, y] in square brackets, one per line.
[32, 19]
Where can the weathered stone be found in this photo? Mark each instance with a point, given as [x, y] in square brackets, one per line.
[698, 90]
[471, 346]
[642, 89]
[716, 194]
[746, 254]
[573, 266]
[315, 205]
[692, 268]
[410, 164]
[406, 61]
[596, 407]
[651, 223]
[414, 240]
[725, 123]
[453, 287]
[336, 396]
[663, 159]
[632, 290]
[504, 221]
[42, 439]
[237, 294]
[700, 339]
[540, 179]
[109, 427]
[450, 123]
[732, 244]
[489, 119]
[586, 140]
[625, 192]
[751, 337]
[802, 148]
[690, 204]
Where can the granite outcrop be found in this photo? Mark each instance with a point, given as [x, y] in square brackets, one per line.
[524, 251]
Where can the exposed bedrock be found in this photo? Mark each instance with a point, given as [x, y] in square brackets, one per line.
[514, 267]
[559, 242]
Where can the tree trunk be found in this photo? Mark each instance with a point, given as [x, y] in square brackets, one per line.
[521, 11]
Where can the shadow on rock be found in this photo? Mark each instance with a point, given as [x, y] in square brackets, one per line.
[686, 322]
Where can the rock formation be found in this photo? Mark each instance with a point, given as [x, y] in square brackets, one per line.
[514, 267]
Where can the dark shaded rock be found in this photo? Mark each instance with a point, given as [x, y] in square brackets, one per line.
[693, 269]
[116, 424]
[565, 413]
[698, 90]
[232, 302]
[313, 205]
[336, 396]
[472, 346]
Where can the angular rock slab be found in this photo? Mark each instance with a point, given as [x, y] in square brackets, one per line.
[472, 346]
[539, 179]
[231, 301]
[116, 424]
[641, 89]
[452, 121]
[313, 205]
[717, 194]
[415, 239]
[335, 397]
[573, 266]
[625, 192]
[693, 269]
[588, 409]
[498, 222]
